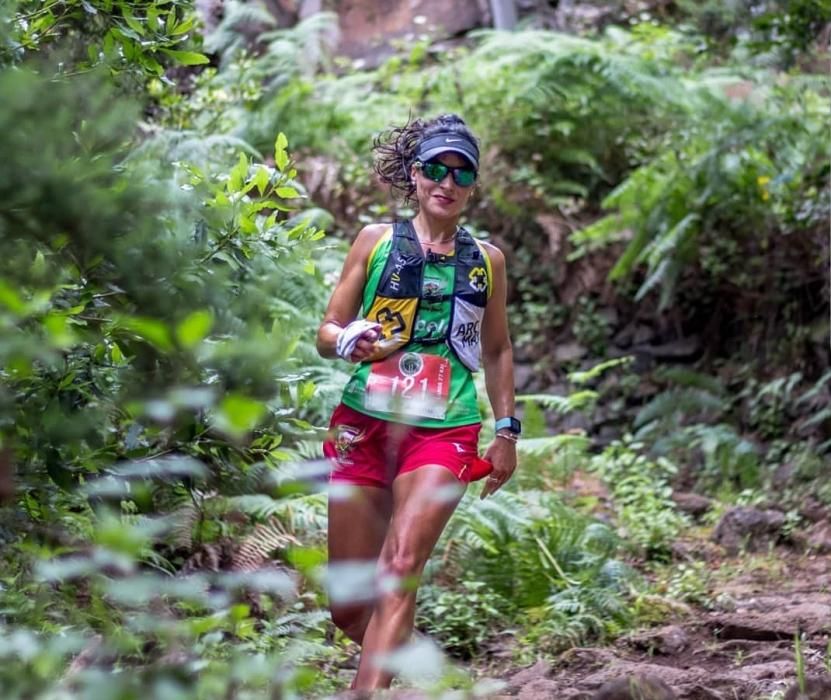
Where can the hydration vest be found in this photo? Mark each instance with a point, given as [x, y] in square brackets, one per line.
[400, 291]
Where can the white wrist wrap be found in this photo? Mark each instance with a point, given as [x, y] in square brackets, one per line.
[348, 337]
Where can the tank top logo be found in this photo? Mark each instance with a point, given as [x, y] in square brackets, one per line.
[478, 279]
[410, 364]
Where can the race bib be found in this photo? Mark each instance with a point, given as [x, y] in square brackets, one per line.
[409, 384]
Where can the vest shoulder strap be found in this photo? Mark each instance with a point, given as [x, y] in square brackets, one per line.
[374, 252]
[473, 281]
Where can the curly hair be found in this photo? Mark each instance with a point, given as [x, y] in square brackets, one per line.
[395, 150]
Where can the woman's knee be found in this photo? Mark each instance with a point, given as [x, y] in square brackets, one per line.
[352, 621]
[402, 568]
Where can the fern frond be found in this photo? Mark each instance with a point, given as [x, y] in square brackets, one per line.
[562, 404]
[680, 402]
[260, 545]
[586, 376]
[259, 506]
[681, 376]
[538, 447]
[229, 37]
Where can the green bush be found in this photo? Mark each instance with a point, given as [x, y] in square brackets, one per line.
[640, 488]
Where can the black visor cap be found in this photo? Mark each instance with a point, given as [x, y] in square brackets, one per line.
[449, 142]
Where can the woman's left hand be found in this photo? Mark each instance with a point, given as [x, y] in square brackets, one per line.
[502, 454]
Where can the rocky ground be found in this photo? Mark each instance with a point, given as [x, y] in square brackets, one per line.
[742, 651]
[739, 647]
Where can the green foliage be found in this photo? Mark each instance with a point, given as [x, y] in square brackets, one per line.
[548, 458]
[532, 95]
[157, 322]
[136, 39]
[682, 423]
[462, 620]
[527, 556]
[96, 257]
[769, 31]
[162, 280]
[641, 491]
[769, 403]
[758, 174]
[688, 583]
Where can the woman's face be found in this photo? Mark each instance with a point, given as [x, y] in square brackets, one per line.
[445, 199]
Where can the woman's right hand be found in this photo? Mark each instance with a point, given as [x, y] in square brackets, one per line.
[356, 341]
[365, 347]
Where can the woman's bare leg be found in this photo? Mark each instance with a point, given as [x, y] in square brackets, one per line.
[358, 524]
[423, 501]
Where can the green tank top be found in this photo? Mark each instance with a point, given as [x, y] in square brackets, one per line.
[431, 322]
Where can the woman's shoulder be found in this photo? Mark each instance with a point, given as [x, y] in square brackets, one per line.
[372, 233]
[496, 256]
[367, 240]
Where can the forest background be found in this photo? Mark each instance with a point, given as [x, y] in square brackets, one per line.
[177, 196]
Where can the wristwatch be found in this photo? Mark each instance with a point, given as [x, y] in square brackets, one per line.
[509, 423]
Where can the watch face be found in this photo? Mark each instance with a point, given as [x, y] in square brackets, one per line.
[509, 423]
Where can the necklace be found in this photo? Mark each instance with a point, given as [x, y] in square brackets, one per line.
[439, 241]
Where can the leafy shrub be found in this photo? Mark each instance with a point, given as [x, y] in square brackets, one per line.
[532, 558]
[758, 175]
[157, 339]
[136, 41]
[462, 619]
[641, 492]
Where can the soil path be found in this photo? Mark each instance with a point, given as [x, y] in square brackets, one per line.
[742, 650]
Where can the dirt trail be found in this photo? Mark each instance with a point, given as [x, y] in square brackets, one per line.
[744, 651]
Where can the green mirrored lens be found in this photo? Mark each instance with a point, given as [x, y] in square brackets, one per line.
[464, 177]
[435, 171]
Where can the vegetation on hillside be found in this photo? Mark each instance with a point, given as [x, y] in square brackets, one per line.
[165, 266]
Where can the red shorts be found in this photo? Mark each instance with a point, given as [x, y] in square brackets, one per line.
[368, 451]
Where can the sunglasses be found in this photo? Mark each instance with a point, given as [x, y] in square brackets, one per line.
[463, 177]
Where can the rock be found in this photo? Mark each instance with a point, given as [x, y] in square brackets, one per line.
[609, 315]
[642, 334]
[816, 688]
[754, 674]
[783, 475]
[781, 622]
[670, 676]
[524, 376]
[819, 537]
[692, 503]
[367, 26]
[540, 670]
[540, 689]
[677, 349]
[580, 17]
[813, 510]
[748, 528]
[569, 352]
[668, 640]
[623, 338]
[639, 687]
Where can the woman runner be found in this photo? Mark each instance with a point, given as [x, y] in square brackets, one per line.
[405, 437]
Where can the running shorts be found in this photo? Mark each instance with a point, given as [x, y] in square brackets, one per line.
[367, 451]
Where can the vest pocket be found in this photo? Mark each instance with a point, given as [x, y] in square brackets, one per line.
[465, 332]
[397, 317]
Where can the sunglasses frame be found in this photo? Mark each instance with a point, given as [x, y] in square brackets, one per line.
[454, 172]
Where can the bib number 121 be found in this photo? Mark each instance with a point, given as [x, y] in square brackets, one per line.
[409, 384]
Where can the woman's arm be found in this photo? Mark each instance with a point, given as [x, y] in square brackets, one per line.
[498, 363]
[346, 298]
